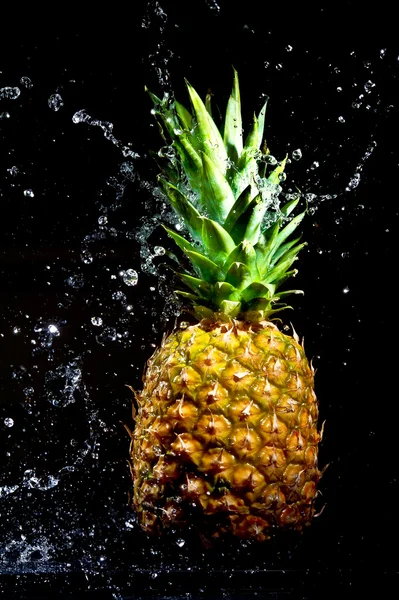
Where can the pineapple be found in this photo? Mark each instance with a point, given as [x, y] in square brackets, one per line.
[225, 433]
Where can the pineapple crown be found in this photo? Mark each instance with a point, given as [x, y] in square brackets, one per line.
[226, 192]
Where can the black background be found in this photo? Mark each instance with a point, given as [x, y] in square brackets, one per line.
[80, 534]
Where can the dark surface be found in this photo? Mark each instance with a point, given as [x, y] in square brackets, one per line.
[66, 393]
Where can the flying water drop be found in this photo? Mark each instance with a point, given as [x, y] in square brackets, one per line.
[55, 102]
[130, 277]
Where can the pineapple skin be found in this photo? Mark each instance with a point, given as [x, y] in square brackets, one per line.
[225, 434]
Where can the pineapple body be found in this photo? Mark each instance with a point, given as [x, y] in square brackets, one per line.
[226, 431]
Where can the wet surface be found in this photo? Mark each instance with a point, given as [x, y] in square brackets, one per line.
[86, 293]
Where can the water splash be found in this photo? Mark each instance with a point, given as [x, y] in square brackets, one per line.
[64, 386]
[355, 179]
[82, 116]
[62, 383]
[155, 21]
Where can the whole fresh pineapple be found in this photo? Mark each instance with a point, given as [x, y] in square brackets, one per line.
[226, 432]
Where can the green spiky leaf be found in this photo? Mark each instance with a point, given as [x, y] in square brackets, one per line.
[185, 116]
[194, 298]
[244, 253]
[207, 132]
[180, 240]
[232, 309]
[261, 123]
[289, 229]
[232, 134]
[183, 208]
[239, 275]
[255, 290]
[208, 270]
[287, 209]
[277, 273]
[278, 252]
[238, 231]
[199, 287]
[253, 227]
[240, 205]
[225, 291]
[216, 194]
[218, 243]
[286, 254]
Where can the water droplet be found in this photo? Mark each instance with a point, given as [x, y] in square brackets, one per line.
[97, 321]
[159, 250]
[86, 257]
[127, 169]
[184, 325]
[270, 159]
[297, 154]
[341, 119]
[26, 81]
[167, 152]
[56, 102]
[353, 182]
[16, 330]
[180, 542]
[288, 48]
[67, 468]
[14, 171]
[368, 86]
[11, 93]
[315, 165]
[29, 193]
[118, 296]
[8, 422]
[4, 115]
[76, 281]
[53, 330]
[339, 89]
[108, 335]
[80, 116]
[282, 176]
[213, 5]
[130, 277]
[103, 220]
[345, 290]
[129, 524]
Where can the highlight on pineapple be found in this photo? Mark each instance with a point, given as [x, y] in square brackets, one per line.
[225, 436]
